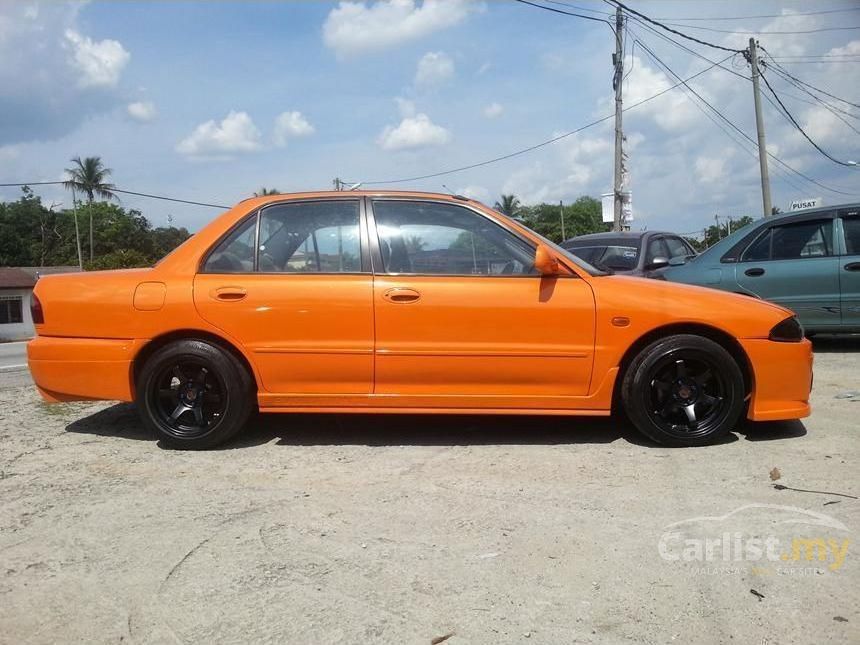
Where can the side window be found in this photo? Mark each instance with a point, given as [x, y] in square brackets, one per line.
[851, 226]
[310, 237]
[441, 239]
[812, 239]
[235, 254]
[677, 247]
[656, 249]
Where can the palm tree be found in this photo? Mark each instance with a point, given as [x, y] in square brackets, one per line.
[89, 176]
[267, 191]
[509, 205]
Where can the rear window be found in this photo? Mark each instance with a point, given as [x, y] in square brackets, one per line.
[611, 256]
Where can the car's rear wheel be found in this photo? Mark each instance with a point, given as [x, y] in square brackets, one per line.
[683, 390]
[194, 395]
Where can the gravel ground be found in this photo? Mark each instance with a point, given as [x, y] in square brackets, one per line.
[404, 529]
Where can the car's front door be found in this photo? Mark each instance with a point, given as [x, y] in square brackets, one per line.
[849, 268]
[794, 264]
[290, 285]
[462, 317]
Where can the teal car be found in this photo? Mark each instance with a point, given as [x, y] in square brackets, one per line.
[807, 261]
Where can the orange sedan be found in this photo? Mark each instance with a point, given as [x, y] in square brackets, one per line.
[401, 302]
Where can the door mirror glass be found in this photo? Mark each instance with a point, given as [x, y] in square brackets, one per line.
[678, 261]
[545, 262]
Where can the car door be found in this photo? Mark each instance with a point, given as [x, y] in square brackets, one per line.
[292, 285]
[462, 316]
[794, 265]
[849, 267]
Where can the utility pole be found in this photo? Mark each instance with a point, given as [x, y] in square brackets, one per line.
[561, 212]
[759, 124]
[77, 233]
[618, 60]
[338, 184]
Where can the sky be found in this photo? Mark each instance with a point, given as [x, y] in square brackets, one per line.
[210, 101]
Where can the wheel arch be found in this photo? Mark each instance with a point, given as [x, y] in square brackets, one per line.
[190, 334]
[722, 338]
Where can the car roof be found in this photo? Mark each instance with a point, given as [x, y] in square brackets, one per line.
[254, 202]
[616, 235]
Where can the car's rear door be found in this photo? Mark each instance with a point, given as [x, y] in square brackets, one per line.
[292, 284]
[849, 267]
[794, 264]
[463, 320]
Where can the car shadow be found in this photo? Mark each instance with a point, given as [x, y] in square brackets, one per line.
[376, 430]
[836, 343]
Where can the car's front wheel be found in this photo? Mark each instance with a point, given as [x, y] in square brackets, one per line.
[194, 395]
[683, 390]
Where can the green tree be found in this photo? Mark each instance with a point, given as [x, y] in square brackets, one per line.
[714, 233]
[89, 176]
[508, 205]
[267, 191]
[580, 218]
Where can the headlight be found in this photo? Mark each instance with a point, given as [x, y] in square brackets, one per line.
[788, 331]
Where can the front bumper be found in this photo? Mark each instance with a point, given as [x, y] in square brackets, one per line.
[80, 369]
[782, 379]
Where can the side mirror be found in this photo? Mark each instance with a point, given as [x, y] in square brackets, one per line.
[658, 263]
[678, 261]
[545, 262]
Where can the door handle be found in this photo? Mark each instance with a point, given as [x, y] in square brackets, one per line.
[228, 294]
[754, 272]
[852, 266]
[401, 295]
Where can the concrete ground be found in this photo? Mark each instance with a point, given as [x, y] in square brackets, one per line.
[13, 355]
[405, 529]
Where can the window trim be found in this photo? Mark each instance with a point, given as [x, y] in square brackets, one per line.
[376, 253]
[843, 215]
[767, 230]
[364, 260]
[14, 298]
[734, 254]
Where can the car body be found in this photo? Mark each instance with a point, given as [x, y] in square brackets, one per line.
[807, 261]
[394, 302]
[642, 253]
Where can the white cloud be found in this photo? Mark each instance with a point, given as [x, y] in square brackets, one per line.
[434, 69]
[413, 132]
[290, 125]
[356, 27]
[671, 111]
[493, 110]
[143, 111]
[99, 63]
[235, 133]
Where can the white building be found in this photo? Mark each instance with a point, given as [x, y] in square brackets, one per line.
[16, 287]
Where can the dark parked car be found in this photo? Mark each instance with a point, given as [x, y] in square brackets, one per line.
[640, 253]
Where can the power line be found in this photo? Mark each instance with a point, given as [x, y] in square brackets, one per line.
[539, 145]
[669, 29]
[777, 15]
[744, 134]
[809, 85]
[800, 128]
[818, 99]
[115, 190]
[716, 122]
[754, 33]
[566, 13]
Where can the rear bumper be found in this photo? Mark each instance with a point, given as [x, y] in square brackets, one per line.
[782, 379]
[80, 369]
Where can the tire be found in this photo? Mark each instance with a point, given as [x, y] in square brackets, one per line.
[683, 390]
[193, 395]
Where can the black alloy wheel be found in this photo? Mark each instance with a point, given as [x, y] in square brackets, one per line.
[194, 395]
[684, 390]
